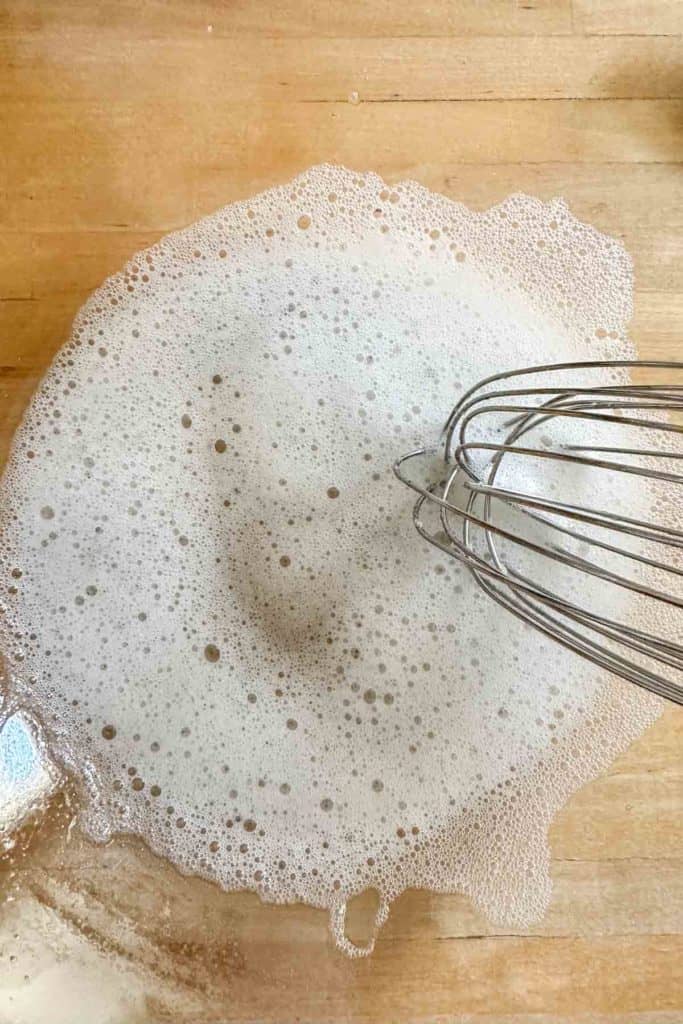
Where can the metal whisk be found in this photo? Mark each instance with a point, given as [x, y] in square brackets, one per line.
[560, 564]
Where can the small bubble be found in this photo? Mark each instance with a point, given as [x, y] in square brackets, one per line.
[220, 445]
[109, 732]
[47, 512]
[304, 221]
[186, 420]
[211, 652]
[332, 492]
[292, 723]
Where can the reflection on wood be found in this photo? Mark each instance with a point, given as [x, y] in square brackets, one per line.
[177, 948]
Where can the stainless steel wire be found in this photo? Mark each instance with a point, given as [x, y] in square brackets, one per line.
[507, 536]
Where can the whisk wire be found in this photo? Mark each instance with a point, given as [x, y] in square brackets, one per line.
[473, 504]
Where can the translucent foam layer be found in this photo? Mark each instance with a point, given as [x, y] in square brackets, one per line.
[213, 597]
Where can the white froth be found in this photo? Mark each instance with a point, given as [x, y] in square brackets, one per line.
[213, 595]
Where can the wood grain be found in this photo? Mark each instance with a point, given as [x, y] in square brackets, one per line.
[291, 19]
[328, 69]
[122, 121]
[628, 17]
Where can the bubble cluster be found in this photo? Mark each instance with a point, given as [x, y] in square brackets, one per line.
[212, 595]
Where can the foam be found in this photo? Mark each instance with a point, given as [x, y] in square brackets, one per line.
[213, 597]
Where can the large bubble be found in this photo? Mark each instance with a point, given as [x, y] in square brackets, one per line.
[213, 598]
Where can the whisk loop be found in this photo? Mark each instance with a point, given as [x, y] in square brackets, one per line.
[554, 562]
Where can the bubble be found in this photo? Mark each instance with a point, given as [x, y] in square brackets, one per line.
[211, 653]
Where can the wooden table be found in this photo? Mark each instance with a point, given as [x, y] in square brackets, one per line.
[124, 120]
